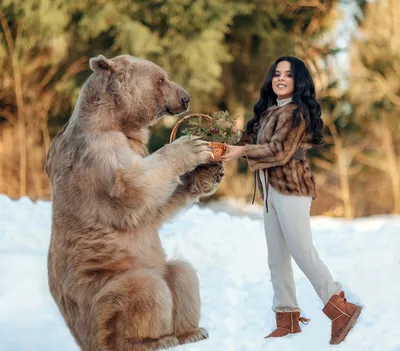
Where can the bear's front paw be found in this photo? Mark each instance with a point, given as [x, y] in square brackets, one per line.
[190, 152]
[204, 179]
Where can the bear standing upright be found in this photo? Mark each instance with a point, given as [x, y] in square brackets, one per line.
[107, 270]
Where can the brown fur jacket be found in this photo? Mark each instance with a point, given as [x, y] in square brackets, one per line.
[275, 149]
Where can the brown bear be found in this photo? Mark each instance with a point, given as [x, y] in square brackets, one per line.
[107, 269]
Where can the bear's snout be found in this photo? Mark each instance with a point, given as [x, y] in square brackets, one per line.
[178, 101]
[185, 101]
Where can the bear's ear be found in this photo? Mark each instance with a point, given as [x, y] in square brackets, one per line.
[101, 65]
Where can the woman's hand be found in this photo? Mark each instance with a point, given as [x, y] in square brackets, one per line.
[233, 152]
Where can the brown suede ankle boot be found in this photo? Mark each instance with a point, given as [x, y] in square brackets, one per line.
[343, 315]
[287, 323]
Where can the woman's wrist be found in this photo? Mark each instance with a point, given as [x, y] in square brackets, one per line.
[242, 150]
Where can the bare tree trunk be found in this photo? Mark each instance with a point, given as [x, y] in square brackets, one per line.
[14, 47]
[343, 171]
[10, 183]
[21, 130]
[21, 113]
[2, 163]
[393, 166]
[46, 137]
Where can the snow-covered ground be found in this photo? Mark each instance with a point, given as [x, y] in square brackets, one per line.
[230, 255]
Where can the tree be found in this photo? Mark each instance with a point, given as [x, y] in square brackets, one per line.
[218, 50]
[35, 75]
[375, 92]
[44, 45]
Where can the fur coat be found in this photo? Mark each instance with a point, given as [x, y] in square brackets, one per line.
[279, 152]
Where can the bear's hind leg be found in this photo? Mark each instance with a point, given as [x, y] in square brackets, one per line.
[165, 342]
[134, 313]
[184, 285]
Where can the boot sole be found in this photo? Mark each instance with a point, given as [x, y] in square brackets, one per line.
[280, 336]
[348, 326]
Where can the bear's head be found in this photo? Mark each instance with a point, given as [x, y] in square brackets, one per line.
[139, 90]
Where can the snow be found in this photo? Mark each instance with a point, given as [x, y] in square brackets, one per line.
[229, 253]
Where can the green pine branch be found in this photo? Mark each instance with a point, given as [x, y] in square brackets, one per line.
[219, 129]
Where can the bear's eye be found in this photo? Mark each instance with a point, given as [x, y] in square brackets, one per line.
[161, 80]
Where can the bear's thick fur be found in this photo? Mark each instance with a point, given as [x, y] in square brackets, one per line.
[107, 270]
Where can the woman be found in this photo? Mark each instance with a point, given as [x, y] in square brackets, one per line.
[287, 121]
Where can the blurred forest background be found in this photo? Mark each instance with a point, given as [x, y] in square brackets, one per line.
[220, 52]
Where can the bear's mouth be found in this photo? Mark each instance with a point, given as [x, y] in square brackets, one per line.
[171, 112]
[168, 111]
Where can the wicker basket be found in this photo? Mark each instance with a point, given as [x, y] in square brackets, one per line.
[219, 149]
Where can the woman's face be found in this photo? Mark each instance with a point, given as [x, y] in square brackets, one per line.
[282, 81]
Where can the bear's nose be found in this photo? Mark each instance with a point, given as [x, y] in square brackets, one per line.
[186, 100]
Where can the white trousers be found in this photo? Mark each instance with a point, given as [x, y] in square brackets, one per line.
[288, 233]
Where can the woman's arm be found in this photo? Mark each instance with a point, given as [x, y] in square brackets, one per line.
[284, 143]
[235, 151]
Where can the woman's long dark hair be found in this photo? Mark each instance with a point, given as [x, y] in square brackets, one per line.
[303, 97]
